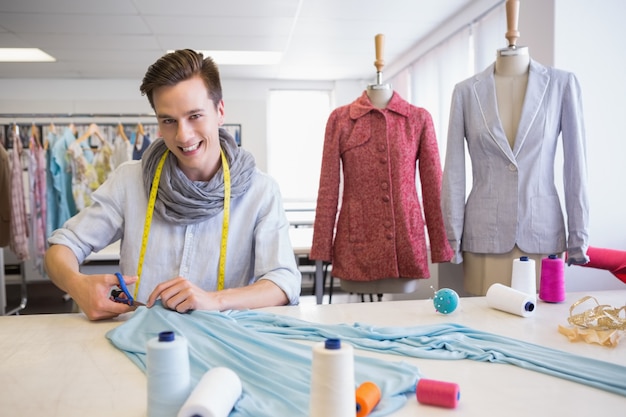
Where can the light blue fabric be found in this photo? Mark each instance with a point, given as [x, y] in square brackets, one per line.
[275, 373]
[254, 345]
[448, 341]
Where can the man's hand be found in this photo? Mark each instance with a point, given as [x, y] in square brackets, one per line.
[183, 296]
[91, 293]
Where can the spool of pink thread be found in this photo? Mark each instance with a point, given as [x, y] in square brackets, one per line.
[439, 393]
[552, 283]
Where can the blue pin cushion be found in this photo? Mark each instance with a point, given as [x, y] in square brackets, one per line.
[446, 300]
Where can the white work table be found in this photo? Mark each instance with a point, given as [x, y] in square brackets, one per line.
[62, 365]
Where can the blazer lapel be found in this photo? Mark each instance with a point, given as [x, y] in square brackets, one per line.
[538, 79]
[485, 93]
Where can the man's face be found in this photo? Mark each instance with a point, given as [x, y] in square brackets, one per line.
[189, 123]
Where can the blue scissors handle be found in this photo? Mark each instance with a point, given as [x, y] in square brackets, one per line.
[124, 289]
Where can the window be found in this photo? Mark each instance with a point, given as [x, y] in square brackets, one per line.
[296, 126]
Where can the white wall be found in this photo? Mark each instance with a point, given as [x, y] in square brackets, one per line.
[587, 38]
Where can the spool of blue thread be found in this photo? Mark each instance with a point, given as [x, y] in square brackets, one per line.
[168, 374]
[332, 380]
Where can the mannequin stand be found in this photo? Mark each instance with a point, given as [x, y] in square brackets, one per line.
[381, 286]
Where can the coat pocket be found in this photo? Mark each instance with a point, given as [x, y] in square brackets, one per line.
[356, 222]
[547, 217]
[481, 219]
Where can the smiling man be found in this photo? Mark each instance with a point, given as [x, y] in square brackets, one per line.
[201, 227]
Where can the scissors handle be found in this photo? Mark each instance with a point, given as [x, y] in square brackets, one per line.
[122, 284]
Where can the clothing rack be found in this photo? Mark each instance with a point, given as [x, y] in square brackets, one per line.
[76, 118]
[73, 115]
[61, 119]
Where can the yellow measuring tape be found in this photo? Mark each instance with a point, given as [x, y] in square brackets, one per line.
[225, 222]
[150, 211]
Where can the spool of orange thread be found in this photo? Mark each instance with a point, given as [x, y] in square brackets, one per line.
[439, 393]
[367, 398]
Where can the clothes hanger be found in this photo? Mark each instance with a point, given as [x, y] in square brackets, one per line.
[91, 130]
[34, 132]
[120, 132]
[140, 129]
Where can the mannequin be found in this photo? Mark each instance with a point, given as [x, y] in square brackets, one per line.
[513, 200]
[379, 94]
[377, 244]
[511, 79]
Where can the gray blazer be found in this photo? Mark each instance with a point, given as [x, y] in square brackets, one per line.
[513, 199]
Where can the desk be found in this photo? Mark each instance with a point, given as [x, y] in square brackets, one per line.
[298, 218]
[63, 365]
[301, 241]
[300, 213]
[110, 253]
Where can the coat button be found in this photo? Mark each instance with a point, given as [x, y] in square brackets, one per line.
[386, 198]
[387, 224]
[381, 148]
[389, 236]
[512, 167]
[384, 185]
[383, 160]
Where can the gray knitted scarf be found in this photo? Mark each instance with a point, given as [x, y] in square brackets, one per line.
[183, 201]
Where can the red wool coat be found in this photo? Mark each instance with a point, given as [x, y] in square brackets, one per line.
[380, 231]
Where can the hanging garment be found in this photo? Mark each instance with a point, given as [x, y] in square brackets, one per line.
[141, 144]
[514, 200]
[19, 223]
[52, 198]
[37, 188]
[253, 344]
[103, 162]
[5, 197]
[380, 231]
[84, 176]
[122, 151]
[61, 205]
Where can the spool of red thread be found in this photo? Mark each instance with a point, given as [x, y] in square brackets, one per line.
[552, 283]
[367, 398]
[439, 393]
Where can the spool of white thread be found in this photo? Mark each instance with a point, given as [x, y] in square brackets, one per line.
[332, 380]
[215, 395]
[524, 275]
[511, 300]
[168, 374]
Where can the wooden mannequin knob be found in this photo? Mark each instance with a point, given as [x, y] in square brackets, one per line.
[379, 40]
[512, 16]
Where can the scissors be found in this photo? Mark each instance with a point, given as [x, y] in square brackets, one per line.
[117, 291]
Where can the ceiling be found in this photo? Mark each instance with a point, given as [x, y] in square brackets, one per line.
[320, 39]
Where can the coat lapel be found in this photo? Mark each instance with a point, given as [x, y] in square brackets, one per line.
[538, 79]
[485, 93]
